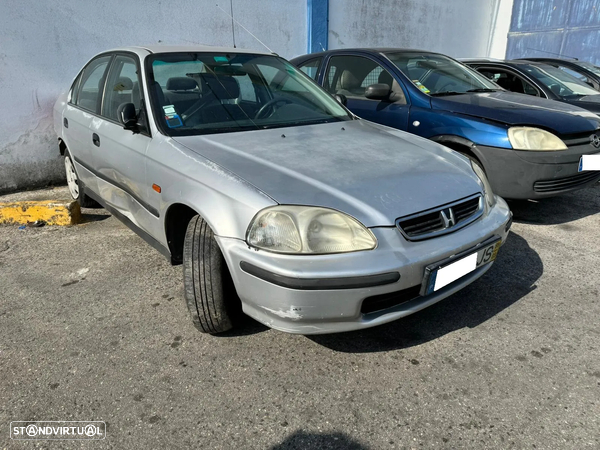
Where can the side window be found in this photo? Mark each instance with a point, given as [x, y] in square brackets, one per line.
[89, 95]
[351, 75]
[509, 81]
[122, 87]
[311, 68]
[577, 75]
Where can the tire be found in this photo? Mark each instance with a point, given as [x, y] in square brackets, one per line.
[75, 186]
[209, 291]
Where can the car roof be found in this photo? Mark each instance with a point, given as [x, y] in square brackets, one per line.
[186, 48]
[365, 50]
[509, 62]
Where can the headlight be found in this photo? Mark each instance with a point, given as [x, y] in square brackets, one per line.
[307, 229]
[490, 198]
[536, 139]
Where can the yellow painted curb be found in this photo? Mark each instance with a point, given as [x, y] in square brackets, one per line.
[51, 212]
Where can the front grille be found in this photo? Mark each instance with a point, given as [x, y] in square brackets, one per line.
[385, 301]
[441, 220]
[579, 138]
[563, 184]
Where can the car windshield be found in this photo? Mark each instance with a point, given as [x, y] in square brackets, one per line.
[204, 93]
[439, 75]
[560, 82]
[589, 66]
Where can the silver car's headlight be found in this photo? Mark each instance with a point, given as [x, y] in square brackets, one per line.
[308, 229]
[535, 139]
[490, 198]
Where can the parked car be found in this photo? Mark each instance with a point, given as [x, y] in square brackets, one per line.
[529, 147]
[269, 192]
[583, 70]
[539, 80]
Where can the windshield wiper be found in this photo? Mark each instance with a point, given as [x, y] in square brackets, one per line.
[482, 90]
[442, 94]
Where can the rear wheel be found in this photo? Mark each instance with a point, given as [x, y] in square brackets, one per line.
[75, 186]
[209, 291]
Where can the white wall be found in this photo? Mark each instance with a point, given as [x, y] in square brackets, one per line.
[44, 43]
[459, 28]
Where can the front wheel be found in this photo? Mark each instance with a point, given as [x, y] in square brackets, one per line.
[209, 291]
[75, 186]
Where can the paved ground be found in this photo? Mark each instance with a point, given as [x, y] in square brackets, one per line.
[93, 326]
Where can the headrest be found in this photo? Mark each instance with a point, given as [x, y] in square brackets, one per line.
[349, 81]
[181, 84]
[385, 78]
[223, 87]
[123, 84]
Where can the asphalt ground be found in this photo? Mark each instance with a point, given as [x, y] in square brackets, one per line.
[93, 326]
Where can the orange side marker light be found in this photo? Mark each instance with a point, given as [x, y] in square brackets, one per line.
[156, 187]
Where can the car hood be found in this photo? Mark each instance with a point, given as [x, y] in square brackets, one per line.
[371, 172]
[589, 102]
[520, 109]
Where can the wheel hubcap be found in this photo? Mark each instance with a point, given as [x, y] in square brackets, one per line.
[72, 181]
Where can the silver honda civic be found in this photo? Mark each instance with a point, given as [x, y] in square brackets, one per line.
[277, 200]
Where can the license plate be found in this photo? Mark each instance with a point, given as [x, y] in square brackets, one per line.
[589, 162]
[443, 273]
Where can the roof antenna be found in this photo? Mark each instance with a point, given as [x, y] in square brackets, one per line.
[246, 29]
[232, 19]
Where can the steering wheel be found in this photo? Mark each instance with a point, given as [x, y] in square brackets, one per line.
[268, 109]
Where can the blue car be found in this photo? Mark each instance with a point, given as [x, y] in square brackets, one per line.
[529, 147]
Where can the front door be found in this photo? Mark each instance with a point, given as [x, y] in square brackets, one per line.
[119, 154]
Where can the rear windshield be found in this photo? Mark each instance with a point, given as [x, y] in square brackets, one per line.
[203, 93]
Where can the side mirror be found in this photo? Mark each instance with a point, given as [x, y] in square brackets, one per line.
[341, 98]
[127, 116]
[378, 91]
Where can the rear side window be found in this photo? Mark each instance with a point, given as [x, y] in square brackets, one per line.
[311, 68]
[89, 94]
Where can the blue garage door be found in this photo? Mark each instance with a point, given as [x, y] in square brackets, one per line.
[549, 28]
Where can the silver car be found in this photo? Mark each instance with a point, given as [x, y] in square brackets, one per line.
[277, 200]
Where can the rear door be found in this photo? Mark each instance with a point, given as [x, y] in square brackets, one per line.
[350, 75]
[120, 155]
[81, 109]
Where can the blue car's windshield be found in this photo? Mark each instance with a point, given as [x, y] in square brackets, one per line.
[202, 93]
[559, 82]
[439, 75]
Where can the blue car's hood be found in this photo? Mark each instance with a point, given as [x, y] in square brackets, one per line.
[520, 109]
[371, 172]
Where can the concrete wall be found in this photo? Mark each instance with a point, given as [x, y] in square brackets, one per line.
[459, 28]
[44, 43]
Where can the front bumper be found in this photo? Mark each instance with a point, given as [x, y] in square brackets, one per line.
[518, 174]
[324, 293]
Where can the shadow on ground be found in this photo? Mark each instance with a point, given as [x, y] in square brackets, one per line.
[302, 440]
[511, 278]
[557, 210]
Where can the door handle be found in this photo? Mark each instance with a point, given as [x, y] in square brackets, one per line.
[96, 140]
[66, 122]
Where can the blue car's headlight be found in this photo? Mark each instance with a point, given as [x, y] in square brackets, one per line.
[308, 230]
[534, 139]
